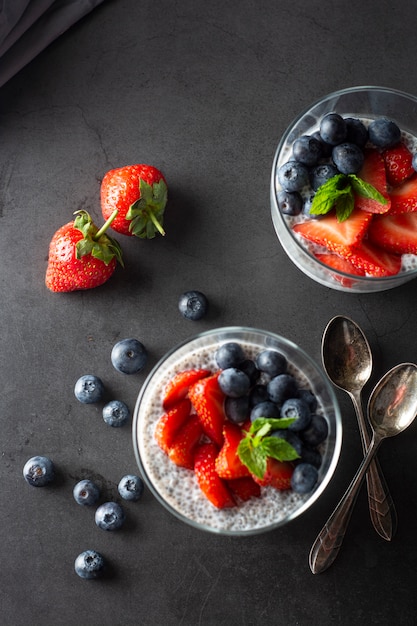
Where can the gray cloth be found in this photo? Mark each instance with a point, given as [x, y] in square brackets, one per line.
[29, 26]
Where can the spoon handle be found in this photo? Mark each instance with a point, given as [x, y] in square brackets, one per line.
[329, 541]
[381, 505]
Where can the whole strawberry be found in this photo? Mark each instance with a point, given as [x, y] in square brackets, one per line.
[139, 193]
[81, 256]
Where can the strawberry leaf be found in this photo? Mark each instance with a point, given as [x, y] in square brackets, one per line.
[146, 214]
[96, 242]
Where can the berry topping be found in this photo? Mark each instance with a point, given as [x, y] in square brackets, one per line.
[333, 129]
[304, 478]
[228, 464]
[214, 488]
[169, 424]
[398, 164]
[208, 399]
[229, 354]
[271, 362]
[177, 388]
[182, 449]
[293, 176]
[233, 382]
[307, 150]
[384, 132]
[348, 158]
[290, 202]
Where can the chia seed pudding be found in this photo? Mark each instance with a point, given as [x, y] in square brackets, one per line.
[177, 487]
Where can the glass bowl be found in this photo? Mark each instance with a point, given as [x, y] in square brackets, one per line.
[362, 102]
[176, 488]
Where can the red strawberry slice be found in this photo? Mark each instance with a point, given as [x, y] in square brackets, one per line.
[373, 172]
[373, 260]
[228, 463]
[398, 164]
[278, 474]
[404, 197]
[244, 488]
[183, 447]
[169, 424]
[178, 386]
[214, 488]
[208, 399]
[395, 233]
[331, 234]
[340, 265]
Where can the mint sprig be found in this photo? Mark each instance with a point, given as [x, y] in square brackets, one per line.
[339, 193]
[257, 445]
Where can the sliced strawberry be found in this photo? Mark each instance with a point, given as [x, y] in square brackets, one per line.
[404, 197]
[398, 164]
[185, 443]
[208, 399]
[373, 260]
[395, 233]
[177, 388]
[339, 264]
[278, 474]
[331, 234]
[169, 424]
[228, 463]
[244, 488]
[214, 488]
[373, 172]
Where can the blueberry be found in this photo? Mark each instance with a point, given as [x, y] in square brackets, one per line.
[89, 564]
[230, 354]
[289, 202]
[333, 129]
[316, 432]
[193, 305]
[348, 158]
[131, 487]
[264, 409]
[414, 162]
[271, 362]
[292, 438]
[297, 409]
[312, 456]
[307, 208]
[384, 133]
[307, 150]
[321, 174]
[326, 148]
[356, 132]
[86, 492]
[129, 356]
[304, 478]
[233, 382]
[89, 389]
[293, 176]
[109, 516]
[282, 387]
[39, 471]
[237, 409]
[116, 413]
[308, 396]
[258, 394]
[248, 366]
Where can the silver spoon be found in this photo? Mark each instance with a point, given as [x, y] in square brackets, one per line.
[392, 407]
[347, 360]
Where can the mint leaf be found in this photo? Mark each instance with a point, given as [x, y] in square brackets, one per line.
[366, 190]
[279, 449]
[257, 445]
[344, 206]
[328, 193]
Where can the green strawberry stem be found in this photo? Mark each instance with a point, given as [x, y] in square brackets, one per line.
[106, 225]
[155, 222]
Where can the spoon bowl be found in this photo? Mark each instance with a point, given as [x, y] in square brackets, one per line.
[392, 408]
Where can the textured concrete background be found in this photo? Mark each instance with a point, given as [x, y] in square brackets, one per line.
[202, 90]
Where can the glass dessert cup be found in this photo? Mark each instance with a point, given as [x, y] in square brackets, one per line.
[361, 102]
[176, 488]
